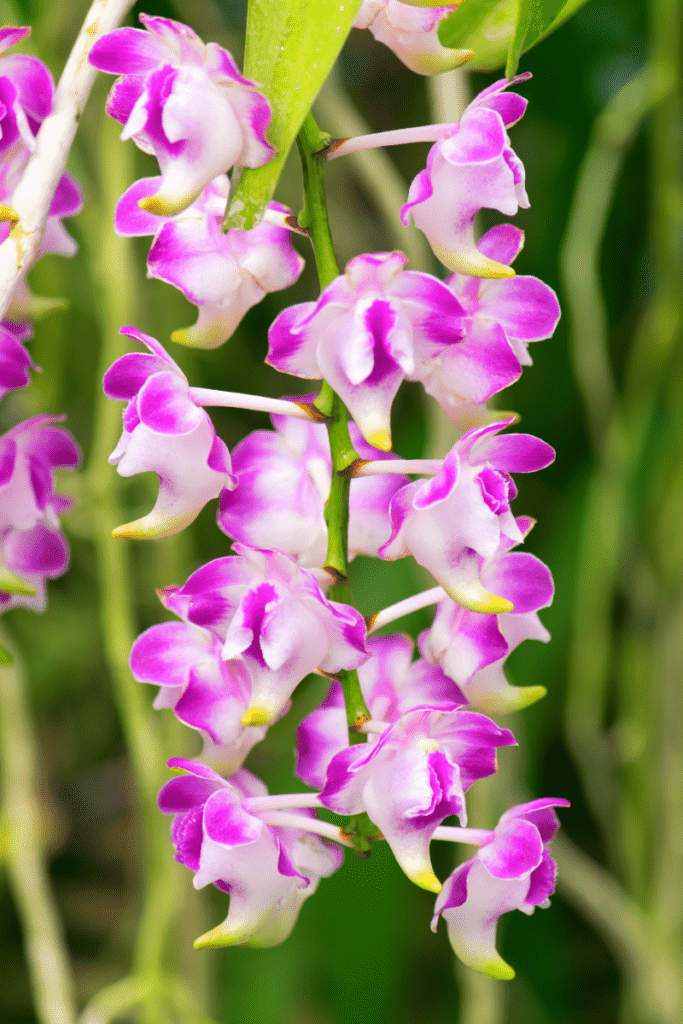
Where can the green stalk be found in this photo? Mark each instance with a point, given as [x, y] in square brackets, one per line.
[114, 260]
[314, 217]
[23, 851]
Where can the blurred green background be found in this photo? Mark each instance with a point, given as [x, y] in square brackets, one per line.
[605, 391]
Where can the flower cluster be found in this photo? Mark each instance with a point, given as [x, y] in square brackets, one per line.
[301, 499]
[32, 547]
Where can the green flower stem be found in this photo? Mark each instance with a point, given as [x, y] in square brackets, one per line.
[374, 169]
[22, 848]
[357, 713]
[114, 260]
[314, 217]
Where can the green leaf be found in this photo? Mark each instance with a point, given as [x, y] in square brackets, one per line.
[291, 46]
[462, 24]
[5, 657]
[534, 18]
[500, 32]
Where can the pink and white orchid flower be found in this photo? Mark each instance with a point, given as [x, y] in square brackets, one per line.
[470, 168]
[166, 433]
[173, 93]
[512, 871]
[412, 33]
[223, 274]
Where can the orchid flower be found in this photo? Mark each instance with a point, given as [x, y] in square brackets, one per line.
[283, 483]
[463, 513]
[413, 777]
[471, 647]
[504, 316]
[512, 871]
[173, 93]
[206, 692]
[223, 274]
[272, 616]
[164, 432]
[412, 33]
[32, 548]
[368, 330]
[471, 167]
[221, 831]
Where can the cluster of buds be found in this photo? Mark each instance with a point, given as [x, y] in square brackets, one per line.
[398, 741]
[32, 547]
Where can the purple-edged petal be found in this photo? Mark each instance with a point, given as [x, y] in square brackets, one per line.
[130, 220]
[502, 243]
[321, 735]
[225, 822]
[155, 347]
[288, 350]
[523, 579]
[517, 848]
[165, 653]
[526, 308]
[8, 455]
[187, 765]
[439, 487]
[10, 36]
[40, 551]
[34, 82]
[480, 138]
[164, 405]
[127, 51]
[68, 197]
[125, 377]
[187, 791]
[514, 453]
[540, 813]
[542, 882]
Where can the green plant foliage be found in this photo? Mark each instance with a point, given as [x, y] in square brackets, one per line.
[290, 49]
[499, 33]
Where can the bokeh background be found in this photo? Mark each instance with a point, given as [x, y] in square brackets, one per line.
[604, 230]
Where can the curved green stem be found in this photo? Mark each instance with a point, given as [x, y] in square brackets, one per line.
[314, 217]
[23, 842]
[115, 268]
[618, 429]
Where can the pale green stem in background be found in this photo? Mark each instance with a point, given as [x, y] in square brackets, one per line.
[646, 797]
[603, 902]
[114, 260]
[666, 323]
[605, 514]
[118, 1000]
[375, 171]
[22, 845]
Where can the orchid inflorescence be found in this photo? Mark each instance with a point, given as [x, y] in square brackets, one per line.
[300, 500]
[32, 546]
